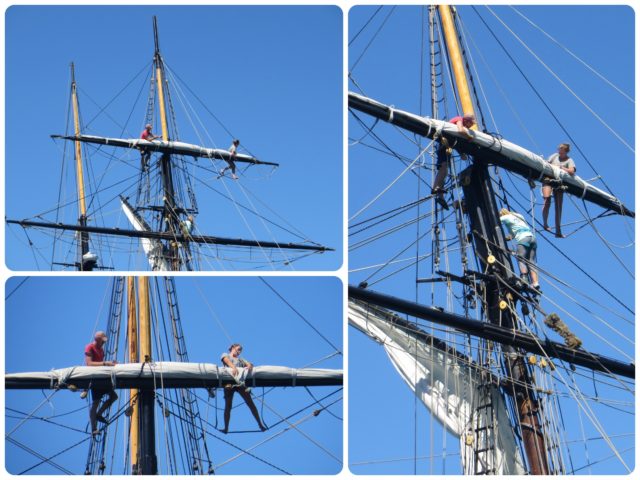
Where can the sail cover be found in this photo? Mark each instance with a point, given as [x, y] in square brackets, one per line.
[178, 148]
[506, 154]
[448, 385]
[170, 375]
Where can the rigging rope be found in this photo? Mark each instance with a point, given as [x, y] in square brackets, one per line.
[540, 97]
[589, 67]
[353, 66]
[302, 317]
[409, 167]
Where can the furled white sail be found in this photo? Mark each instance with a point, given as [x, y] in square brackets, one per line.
[513, 157]
[448, 385]
[178, 148]
[170, 375]
[152, 248]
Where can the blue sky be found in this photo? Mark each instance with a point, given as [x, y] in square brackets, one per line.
[389, 72]
[52, 332]
[271, 75]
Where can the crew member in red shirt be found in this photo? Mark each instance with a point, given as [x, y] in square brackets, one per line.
[463, 122]
[94, 357]
[148, 135]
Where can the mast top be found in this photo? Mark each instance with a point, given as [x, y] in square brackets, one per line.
[155, 35]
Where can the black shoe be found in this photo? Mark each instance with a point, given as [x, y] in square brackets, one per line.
[101, 419]
[442, 202]
[263, 428]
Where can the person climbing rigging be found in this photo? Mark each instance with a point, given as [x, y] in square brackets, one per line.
[233, 150]
[443, 154]
[148, 135]
[240, 368]
[561, 160]
[520, 231]
[187, 226]
[94, 357]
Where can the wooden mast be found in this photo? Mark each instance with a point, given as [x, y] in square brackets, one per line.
[169, 215]
[147, 464]
[457, 64]
[483, 212]
[134, 435]
[83, 262]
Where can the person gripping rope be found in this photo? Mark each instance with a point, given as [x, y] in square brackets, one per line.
[522, 233]
[147, 135]
[561, 160]
[443, 154]
[94, 357]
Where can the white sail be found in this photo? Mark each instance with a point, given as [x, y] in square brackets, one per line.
[170, 375]
[447, 384]
[152, 247]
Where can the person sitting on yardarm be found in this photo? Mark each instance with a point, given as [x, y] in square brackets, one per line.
[232, 360]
